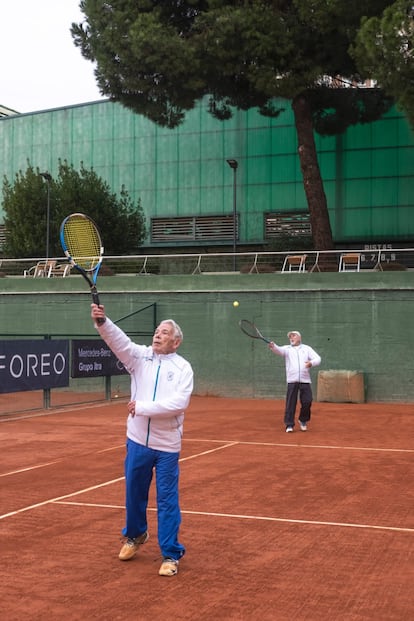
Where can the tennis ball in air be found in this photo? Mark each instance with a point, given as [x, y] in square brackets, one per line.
[235, 303]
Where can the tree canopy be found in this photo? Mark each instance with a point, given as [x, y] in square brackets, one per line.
[159, 58]
[121, 223]
[384, 50]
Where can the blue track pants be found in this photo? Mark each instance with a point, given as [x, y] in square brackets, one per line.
[140, 464]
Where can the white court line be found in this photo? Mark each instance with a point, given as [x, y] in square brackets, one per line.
[112, 448]
[95, 505]
[61, 499]
[312, 446]
[52, 500]
[229, 443]
[219, 448]
[88, 489]
[4, 418]
[292, 521]
[256, 518]
[48, 463]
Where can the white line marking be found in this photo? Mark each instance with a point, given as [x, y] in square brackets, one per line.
[219, 448]
[257, 517]
[90, 504]
[312, 446]
[292, 521]
[61, 499]
[94, 487]
[25, 414]
[51, 500]
[112, 448]
[229, 443]
[48, 463]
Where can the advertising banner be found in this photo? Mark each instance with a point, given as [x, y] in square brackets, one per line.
[33, 365]
[93, 358]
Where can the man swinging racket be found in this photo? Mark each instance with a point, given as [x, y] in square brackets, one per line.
[299, 358]
[161, 387]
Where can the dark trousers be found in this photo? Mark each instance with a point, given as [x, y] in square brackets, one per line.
[305, 395]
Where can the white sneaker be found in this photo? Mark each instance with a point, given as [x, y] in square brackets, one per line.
[131, 545]
[169, 567]
[289, 429]
[303, 426]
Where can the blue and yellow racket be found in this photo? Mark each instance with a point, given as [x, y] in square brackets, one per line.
[82, 245]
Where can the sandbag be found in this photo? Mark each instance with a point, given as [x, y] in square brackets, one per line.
[341, 386]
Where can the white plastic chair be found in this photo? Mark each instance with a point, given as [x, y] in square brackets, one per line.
[350, 262]
[294, 263]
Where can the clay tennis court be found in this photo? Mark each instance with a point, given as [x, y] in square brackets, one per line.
[292, 527]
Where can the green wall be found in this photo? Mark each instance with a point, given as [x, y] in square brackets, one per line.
[356, 321]
[368, 172]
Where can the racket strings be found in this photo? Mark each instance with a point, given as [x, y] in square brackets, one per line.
[249, 329]
[83, 242]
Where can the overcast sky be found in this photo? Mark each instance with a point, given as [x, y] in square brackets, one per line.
[40, 66]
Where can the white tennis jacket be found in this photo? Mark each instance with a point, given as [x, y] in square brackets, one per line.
[161, 386]
[295, 358]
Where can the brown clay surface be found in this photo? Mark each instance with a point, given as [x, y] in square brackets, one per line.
[300, 527]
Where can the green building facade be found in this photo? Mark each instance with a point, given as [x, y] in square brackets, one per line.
[189, 193]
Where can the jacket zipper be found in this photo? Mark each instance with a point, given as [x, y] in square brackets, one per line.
[153, 398]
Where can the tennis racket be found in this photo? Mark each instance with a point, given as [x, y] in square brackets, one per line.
[83, 248]
[250, 329]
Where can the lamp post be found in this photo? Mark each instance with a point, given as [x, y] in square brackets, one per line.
[48, 179]
[233, 165]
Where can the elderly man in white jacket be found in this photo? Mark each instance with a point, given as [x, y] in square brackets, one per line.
[161, 387]
[299, 358]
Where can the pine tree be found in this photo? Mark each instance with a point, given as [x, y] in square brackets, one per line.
[160, 58]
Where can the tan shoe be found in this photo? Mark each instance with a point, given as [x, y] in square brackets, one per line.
[169, 567]
[130, 547]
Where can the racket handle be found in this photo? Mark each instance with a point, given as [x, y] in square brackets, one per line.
[95, 300]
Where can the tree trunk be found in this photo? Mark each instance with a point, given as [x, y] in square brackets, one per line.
[312, 180]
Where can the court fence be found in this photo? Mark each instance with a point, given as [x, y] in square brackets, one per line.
[372, 258]
[351, 319]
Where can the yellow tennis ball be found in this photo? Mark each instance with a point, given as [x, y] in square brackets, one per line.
[235, 303]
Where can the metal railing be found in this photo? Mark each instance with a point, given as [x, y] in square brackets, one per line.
[243, 262]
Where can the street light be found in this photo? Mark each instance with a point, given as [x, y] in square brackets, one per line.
[48, 179]
[233, 165]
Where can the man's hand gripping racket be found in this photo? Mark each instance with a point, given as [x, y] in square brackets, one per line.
[83, 248]
[250, 329]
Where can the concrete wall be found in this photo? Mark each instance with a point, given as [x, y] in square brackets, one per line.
[356, 321]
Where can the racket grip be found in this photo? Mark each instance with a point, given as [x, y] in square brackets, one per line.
[95, 300]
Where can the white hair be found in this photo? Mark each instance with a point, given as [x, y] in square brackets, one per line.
[178, 333]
